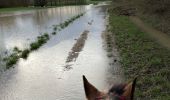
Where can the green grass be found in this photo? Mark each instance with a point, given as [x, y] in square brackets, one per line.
[144, 57]
[39, 42]
[13, 9]
[66, 23]
[95, 2]
[18, 9]
[53, 33]
[11, 60]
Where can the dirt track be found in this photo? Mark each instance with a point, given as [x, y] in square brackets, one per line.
[77, 47]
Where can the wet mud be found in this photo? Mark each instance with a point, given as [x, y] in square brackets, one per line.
[78, 46]
[76, 49]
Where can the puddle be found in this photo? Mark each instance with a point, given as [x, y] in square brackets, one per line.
[41, 76]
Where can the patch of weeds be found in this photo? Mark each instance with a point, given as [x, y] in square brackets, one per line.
[66, 23]
[46, 36]
[25, 53]
[55, 28]
[62, 26]
[16, 49]
[40, 41]
[54, 33]
[34, 46]
[11, 60]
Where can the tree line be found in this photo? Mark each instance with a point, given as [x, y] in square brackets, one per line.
[13, 3]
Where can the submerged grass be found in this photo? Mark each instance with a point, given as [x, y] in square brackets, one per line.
[144, 57]
[65, 23]
[40, 41]
[13, 58]
[25, 53]
[53, 33]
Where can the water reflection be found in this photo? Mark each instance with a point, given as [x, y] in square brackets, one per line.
[20, 27]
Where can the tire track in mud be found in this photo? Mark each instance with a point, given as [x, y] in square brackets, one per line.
[76, 49]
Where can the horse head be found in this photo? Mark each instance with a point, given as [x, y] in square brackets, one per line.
[117, 92]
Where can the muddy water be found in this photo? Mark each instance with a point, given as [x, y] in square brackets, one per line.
[43, 76]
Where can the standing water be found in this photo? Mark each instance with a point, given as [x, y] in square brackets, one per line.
[44, 75]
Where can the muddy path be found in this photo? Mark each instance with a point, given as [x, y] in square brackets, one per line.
[161, 37]
[78, 46]
[43, 76]
[76, 49]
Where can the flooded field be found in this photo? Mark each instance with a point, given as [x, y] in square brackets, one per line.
[46, 75]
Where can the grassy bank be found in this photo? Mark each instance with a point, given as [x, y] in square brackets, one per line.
[12, 9]
[142, 56]
[18, 9]
[93, 2]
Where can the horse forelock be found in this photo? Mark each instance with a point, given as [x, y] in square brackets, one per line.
[115, 93]
[117, 89]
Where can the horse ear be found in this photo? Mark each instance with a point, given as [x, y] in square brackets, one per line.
[130, 89]
[90, 91]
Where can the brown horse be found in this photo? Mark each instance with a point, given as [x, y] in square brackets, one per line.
[117, 92]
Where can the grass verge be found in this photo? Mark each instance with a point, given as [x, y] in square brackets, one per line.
[18, 9]
[95, 2]
[142, 56]
[13, 9]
